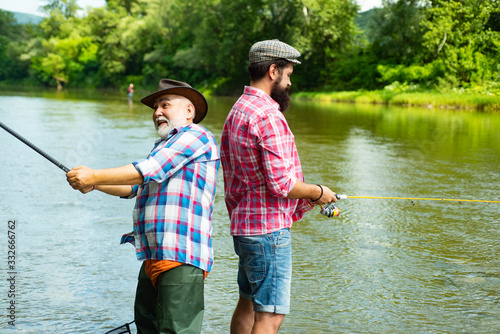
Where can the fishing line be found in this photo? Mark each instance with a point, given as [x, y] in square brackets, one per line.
[34, 147]
[331, 210]
[419, 199]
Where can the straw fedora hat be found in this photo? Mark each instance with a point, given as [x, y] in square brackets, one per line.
[169, 86]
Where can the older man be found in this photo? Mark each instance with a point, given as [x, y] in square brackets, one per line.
[264, 188]
[174, 189]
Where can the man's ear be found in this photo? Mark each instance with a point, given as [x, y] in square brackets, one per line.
[273, 72]
[190, 111]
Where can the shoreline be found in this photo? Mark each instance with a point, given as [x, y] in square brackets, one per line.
[456, 100]
[432, 99]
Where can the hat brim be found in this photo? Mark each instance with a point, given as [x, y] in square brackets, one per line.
[198, 100]
[263, 59]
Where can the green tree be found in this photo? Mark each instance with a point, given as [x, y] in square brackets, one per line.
[208, 42]
[131, 7]
[435, 42]
[12, 37]
[65, 59]
[395, 31]
[64, 51]
[222, 39]
[324, 34]
[211, 39]
[457, 36]
[126, 40]
[67, 8]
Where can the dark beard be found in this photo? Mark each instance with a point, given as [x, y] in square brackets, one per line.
[281, 96]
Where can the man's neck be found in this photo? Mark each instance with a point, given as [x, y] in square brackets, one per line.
[263, 86]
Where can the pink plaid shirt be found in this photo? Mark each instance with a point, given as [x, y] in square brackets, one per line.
[261, 165]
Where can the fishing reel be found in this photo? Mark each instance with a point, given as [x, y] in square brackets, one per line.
[330, 209]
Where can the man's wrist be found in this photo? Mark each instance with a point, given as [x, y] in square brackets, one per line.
[96, 177]
[320, 195]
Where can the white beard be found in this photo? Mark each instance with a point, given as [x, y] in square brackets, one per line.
[164, 130]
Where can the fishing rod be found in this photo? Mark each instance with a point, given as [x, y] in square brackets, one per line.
[39, 151]
[331, 210]
[118, 330]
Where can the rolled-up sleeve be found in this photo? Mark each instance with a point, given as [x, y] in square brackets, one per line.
[133, 193]
[165, 162]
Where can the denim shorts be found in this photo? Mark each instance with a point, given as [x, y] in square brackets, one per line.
[265, 270]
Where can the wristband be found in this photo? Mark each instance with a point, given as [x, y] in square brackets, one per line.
[320, 187]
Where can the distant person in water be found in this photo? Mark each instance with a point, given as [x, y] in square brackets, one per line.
[130, 92]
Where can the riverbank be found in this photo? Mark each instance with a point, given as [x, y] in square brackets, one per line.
[456, 99]
[459, 99]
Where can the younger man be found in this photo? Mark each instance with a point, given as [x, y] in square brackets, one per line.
[264, 188]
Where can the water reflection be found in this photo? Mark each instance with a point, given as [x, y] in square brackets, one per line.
[391, 266]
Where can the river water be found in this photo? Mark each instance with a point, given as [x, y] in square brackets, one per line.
[382, 266]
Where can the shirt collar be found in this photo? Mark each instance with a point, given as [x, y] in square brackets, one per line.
[172, 133]
[261, 94]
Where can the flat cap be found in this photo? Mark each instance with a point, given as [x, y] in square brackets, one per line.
[272, 49]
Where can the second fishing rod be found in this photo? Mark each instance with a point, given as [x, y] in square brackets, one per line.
[331, 210]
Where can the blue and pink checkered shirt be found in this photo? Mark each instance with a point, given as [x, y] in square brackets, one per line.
[173, 209]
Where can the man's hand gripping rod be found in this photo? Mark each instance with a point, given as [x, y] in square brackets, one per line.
[330, 209]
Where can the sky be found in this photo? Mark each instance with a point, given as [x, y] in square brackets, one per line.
[31, 6]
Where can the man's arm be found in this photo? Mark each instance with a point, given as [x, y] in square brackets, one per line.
[121, 191]
[320, 195]
[113, 181]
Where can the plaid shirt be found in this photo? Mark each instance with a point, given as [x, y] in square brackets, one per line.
[261, 165]
[173, 209]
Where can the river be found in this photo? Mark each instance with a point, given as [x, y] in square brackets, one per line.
[382, 266]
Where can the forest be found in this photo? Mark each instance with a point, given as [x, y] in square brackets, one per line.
[406, 45]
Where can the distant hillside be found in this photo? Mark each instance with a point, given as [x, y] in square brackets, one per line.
[363, 18]
[23, 18]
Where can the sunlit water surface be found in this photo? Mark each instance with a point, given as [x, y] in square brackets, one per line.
[383, 266]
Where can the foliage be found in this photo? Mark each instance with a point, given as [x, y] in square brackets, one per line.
[419, 74]
[354, 71]
[65, 59]
[11, 37]
[67, 8]
[327, 32]
[395, 31]
[456, 34]
[411, 95]
[406, 44]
